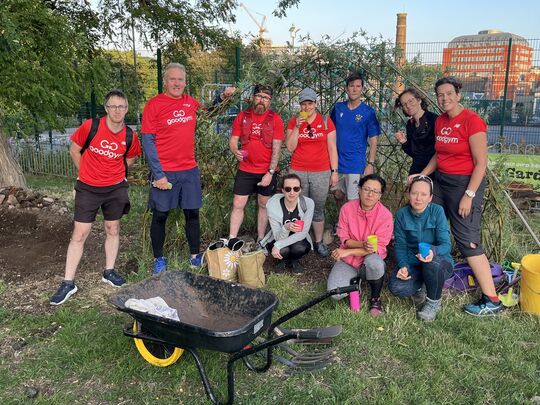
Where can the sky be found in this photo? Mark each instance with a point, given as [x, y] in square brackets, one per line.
[427, 21]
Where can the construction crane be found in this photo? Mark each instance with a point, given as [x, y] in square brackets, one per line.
[261, 25]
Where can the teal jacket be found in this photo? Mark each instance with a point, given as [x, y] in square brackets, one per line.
[430, 226]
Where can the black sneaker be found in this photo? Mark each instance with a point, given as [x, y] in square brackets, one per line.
[63, 293]
[375, 307]
[280, 267]
[297, 267]
[321, 249]
[113, 278]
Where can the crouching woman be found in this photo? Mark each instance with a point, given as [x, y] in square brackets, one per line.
[290, 216]
[359, 219]
[421, 222]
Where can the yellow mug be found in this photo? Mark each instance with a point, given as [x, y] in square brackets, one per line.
[303, 114]
[373, 241]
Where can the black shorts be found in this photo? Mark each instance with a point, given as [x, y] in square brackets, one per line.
[448, 189]
[246, 184]
[113, 201]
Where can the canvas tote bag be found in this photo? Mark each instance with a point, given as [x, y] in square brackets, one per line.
[250, 269]
[222, 262]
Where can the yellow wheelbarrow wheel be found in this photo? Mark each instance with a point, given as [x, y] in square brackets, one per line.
[156, 354]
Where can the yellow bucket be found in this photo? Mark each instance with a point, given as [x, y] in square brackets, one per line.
[530, 284]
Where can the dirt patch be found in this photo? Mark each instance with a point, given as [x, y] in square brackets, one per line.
[33, 245]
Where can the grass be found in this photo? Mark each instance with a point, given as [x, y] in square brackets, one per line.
[77, 354]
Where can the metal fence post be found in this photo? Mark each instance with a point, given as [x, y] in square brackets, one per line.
[237, 71]
[159, 70]
[93, 107]
[503, 112]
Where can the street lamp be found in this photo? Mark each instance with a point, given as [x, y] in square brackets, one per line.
[293, 30]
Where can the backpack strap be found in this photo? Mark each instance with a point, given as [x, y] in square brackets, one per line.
[129, 141]
[91, 134]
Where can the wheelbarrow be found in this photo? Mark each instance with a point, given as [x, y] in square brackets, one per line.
[214, 315]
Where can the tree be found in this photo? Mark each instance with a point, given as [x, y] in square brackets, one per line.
[38, 51]
[49, 47]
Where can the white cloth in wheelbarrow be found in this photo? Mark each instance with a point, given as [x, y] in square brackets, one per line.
[154, 306]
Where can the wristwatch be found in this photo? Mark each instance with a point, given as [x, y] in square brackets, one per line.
[271, 171]
[333, 170]
[470, 193]
[371, 162]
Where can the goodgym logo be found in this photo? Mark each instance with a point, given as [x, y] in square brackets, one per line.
[179, 116]
[445, 138]
[106, 145]
[446, 131]
[106, 149]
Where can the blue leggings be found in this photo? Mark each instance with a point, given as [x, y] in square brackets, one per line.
[432, 274]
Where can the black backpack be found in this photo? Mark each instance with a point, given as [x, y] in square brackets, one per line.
[93, 131]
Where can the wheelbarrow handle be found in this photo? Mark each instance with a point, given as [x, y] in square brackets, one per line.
[336, 291]
[344, 290]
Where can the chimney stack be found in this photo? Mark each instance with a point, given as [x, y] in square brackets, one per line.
[401, 45]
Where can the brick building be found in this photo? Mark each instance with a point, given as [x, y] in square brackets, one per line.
[485, 56]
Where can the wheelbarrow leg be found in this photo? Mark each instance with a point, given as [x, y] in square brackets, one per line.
[230, 366]
[207, 386]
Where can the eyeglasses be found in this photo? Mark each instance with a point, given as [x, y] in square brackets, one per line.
[261, 97]
[370, 191]
[410, 102]
[296, 189]
[116, 107]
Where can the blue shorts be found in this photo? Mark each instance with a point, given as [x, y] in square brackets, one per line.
[185, 192]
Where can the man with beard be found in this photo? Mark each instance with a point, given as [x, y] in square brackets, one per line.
[260, 132]
[168, 139]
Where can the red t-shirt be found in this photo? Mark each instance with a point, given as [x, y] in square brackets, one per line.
[259, 156]
[452, 141]
[172, 121]
[311, 153]
[102, 164]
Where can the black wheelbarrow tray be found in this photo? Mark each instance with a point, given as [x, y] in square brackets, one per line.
[214, 315]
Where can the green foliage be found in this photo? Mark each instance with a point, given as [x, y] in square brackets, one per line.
[38, 50]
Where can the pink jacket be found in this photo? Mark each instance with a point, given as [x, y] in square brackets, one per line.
[355, 223]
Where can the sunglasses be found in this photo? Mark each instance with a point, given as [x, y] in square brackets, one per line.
[296, 189]
[311, 132]
[421, 177]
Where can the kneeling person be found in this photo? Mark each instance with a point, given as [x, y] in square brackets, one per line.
[290, 217]
[359, 219]
[421, 222]
[101, 183]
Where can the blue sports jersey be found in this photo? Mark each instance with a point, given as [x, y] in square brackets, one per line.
[353, 127]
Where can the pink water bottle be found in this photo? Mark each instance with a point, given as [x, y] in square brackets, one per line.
[354, 301]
